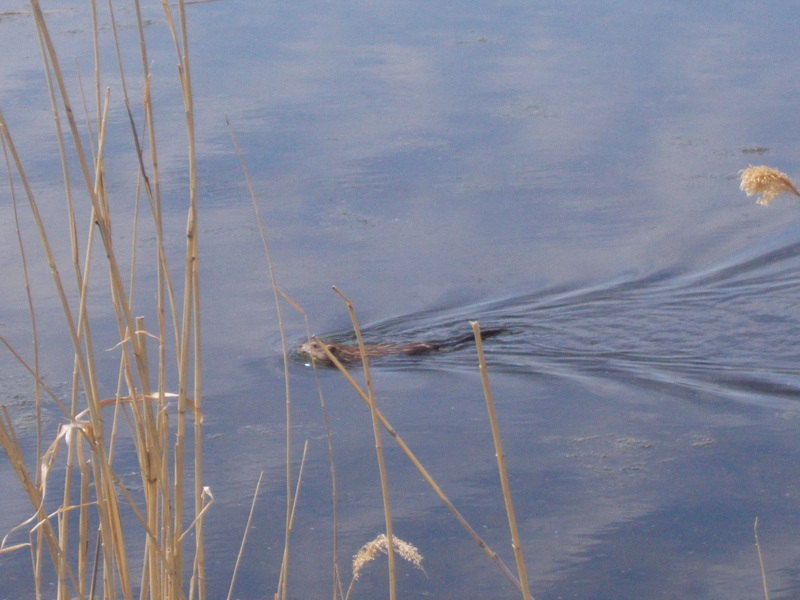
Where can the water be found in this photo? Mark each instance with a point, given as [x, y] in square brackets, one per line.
[729, 330]
[566, 171]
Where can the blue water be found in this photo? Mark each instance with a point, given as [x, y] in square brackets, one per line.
[566, 171]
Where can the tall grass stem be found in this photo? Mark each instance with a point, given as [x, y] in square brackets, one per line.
[498, 562]
[376, 431]
[501, 463]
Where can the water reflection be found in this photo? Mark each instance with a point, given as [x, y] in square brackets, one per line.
[566, 171]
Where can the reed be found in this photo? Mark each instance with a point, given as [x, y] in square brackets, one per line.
[498, 562]
[761, 561]
[767, 182]
[501, 463]
[98, 558]
[95, 535]
[376, 432]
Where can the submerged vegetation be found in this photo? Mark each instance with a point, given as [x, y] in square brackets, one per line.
[101, 536]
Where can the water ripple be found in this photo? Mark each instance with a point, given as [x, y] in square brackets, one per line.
[731, 329]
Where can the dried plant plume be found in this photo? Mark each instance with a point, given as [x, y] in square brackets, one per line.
[767, 182]
[370, 550]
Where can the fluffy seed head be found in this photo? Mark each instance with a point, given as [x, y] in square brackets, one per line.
[767, 182]
[371, 549]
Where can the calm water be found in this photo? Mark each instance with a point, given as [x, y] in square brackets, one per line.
[565, 171]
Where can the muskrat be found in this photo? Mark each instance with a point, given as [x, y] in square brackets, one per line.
[350, 353]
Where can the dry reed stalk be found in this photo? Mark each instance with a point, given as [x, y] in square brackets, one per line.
[244, 536]
[422, 470]
[767, 182]
[190, 317]
[337, 583]
[190, 326]
[38, 380]
[91, 452]
[82, 366]
[14, 547]
[376, 432]
[283, 585]
[33, 489]
[84, 519]
[282, 582]
[116, 552]
[501, 463]
[164, 293]
[31, 309]
[338, 592]
[761, 561]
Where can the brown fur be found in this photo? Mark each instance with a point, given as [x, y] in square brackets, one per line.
[350, 353]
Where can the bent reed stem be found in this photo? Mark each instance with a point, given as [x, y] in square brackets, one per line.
[376, 431]
[422, 470]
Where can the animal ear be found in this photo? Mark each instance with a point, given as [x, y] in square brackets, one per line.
[334, 349]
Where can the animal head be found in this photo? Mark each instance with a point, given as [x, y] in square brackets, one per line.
[312, 350]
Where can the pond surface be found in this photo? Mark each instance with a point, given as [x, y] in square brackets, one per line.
[566, 171]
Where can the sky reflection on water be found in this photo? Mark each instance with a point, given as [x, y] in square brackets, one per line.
[429, 157]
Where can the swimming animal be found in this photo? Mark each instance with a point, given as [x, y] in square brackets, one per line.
[351, 353]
